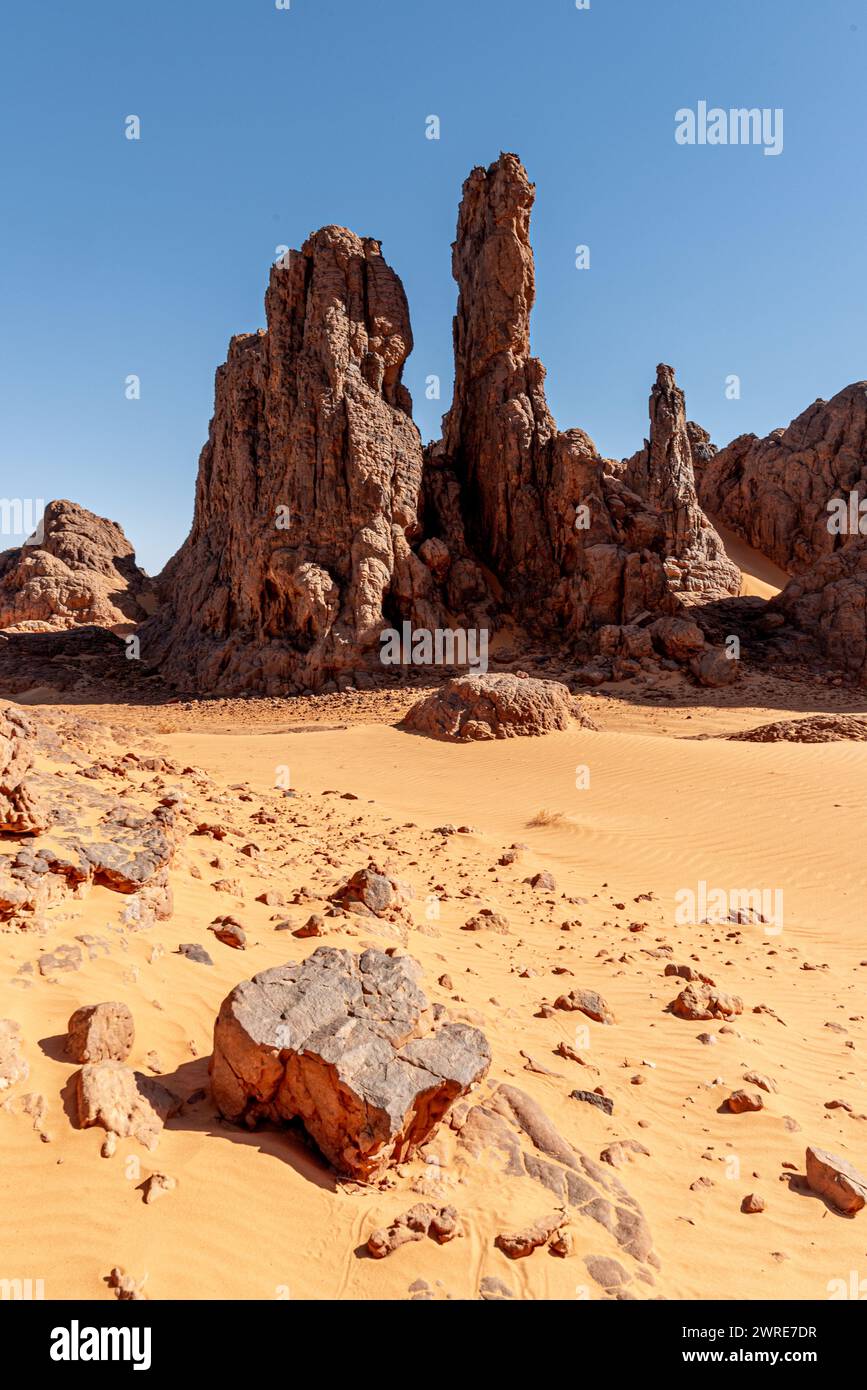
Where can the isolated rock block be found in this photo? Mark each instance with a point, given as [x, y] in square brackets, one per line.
[837, 1180]
[494, 706]
[344, 1043]
[100, 1033]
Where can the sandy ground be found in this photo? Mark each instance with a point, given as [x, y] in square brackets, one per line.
[760, 576]
[625, 818]
[260, 1217]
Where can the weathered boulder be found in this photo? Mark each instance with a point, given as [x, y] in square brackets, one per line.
[714, 667]
[100, 1033]
[586, 1001]
[374, 890]
[837, 1180]
[13, 1064]
[308, 489]
[701, 1001]
[739, 1102]
[127, 1103]
[494, 706]
[678, 638]
[78, 569]
[346, 1044]
[442, 1224]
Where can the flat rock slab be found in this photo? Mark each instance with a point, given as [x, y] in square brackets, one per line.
[345, 1043]
[494, 706]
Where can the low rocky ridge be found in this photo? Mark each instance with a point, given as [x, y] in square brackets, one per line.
[510, 1131]
[345, 1043]
[816, 728]
[495, 706]
[79, 568]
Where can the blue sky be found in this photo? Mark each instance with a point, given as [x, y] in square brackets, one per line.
[259, 125]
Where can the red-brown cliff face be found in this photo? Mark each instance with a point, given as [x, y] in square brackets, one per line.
[308, 488]
[775, 491]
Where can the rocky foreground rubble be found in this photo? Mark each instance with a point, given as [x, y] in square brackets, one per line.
[76, 832]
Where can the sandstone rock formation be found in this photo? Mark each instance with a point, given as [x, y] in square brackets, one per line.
[494, 706]
[816, 728]
[662, 472]
[81, 569]
[508, 1129]
[100, 1033]
[23, 811]
[344, 1043]
[829, 603]
[775, 491]
[308, 488]
[124, 1102]
[568, 545]
[320, 523]
[836, 1179]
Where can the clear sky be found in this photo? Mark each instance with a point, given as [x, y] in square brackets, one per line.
[258, 125]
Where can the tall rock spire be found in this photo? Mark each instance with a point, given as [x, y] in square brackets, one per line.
[534, 501]
[662, 472]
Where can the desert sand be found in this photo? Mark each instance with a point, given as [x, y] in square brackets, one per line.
[669, 803]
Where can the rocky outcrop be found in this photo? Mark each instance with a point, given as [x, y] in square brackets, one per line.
[79, 832]
[308, 488]
[696, 563]
[77, 569]
[23, 809]
[346, 1044]
[817, 728]
[774, 492]
[561, 542]
[320, 523]
[509, 1131]
[494, 706]
[829, 604]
